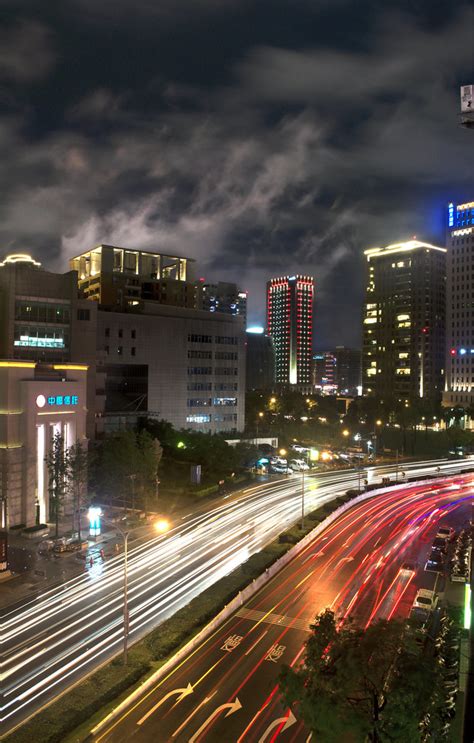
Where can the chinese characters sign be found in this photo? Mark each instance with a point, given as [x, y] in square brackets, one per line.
[56, 401]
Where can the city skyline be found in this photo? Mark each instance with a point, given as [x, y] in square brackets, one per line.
[241, 154]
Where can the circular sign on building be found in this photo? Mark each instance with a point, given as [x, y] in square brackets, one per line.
[41, 401]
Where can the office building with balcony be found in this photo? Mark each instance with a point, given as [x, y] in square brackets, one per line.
[290, 326]
[404, 321]
[119, 278]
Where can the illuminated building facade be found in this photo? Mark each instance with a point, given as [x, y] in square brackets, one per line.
[290, 325]
[37, 401]
[459, 388]
[43, 320]
[404, 321]
[324, 372]
[119, 278]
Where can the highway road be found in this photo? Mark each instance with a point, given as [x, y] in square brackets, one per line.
[49, 642]
[226, 689]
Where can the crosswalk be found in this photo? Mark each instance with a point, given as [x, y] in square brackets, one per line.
[278, 619]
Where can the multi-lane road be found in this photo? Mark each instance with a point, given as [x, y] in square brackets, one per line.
[49, 642]
[226, 689]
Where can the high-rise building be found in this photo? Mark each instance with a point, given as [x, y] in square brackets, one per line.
[290, 325]
[459, 388]
[404, 321]
[260, 369]
[324, 372]
[222, 297]
[348, 370]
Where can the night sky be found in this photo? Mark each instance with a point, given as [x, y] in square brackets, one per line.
[260, 138]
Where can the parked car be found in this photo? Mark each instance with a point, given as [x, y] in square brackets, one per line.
[439, 545]
[425, 599]
[445, 532]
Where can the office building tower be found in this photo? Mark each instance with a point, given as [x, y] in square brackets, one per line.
[183, 365]
[222, 297]
[260, 369]
[348, 371]
[290, 325]
[324, 372]
[404, 321]
[459, 388]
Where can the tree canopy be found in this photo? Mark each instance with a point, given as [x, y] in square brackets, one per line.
[357, 685]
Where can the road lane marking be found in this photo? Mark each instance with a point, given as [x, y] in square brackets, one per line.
[287, 721]
[182, 693]
[231, 706]
[190, 717]
[256, 642]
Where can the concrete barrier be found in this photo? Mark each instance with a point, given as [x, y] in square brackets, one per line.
[239, 600]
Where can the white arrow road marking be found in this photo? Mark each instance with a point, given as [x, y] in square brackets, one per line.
[182, 693]
[189, 717]
[232, 707]
[288, 720]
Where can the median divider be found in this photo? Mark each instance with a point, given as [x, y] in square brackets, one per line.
[240, 599]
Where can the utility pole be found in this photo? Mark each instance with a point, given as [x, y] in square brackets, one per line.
[396, 468]
[302, 499]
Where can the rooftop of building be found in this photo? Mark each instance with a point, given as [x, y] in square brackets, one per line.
[133, 250]
[402, 247]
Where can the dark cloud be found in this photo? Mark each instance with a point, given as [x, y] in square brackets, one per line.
[277, 148]
[26, 51]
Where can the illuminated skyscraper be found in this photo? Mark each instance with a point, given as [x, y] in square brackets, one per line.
[459, 389]
[290, 325]
[404, 321]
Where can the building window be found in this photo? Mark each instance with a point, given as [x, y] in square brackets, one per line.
[120, 350]
[133, 333]
[107, 350]
[120, 333]
[198, 418]
[107, 332]
[83, 315]
[133, 351]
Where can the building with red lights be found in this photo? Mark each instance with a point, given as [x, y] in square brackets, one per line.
[290, 325]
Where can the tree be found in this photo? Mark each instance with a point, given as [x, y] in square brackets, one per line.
[57, 462]
[77, 482]
[358, 685]
[129, 461]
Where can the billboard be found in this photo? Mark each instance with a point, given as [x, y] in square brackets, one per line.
[467, 95]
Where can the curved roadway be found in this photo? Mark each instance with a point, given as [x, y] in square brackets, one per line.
[51, 641]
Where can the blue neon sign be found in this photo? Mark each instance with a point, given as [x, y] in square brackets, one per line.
[451, 215]
[60, 400]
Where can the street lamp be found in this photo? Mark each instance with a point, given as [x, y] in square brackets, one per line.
[259, 417]
[345, 433]
[162, 525]
[282, 452]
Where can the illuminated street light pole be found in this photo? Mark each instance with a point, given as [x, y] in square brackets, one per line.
[161, 525]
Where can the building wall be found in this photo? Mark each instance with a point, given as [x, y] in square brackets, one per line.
[404, 321]
[260, 369]
[459, 388]
[28, 420]
[290, 325]
[183, 351]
